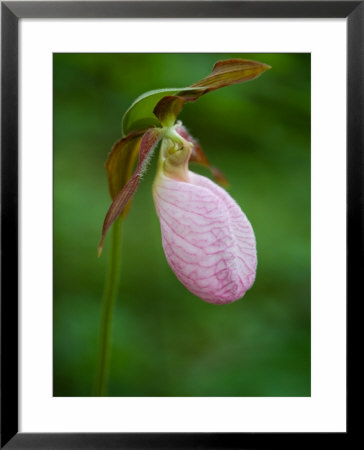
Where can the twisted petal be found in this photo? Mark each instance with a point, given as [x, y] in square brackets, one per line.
[208, 241]
[148, 143]
[199, 157]
[121, 161]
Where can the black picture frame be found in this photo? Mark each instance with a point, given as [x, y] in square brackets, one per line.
[11, 12]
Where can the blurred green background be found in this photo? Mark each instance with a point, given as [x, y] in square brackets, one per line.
[165, 341]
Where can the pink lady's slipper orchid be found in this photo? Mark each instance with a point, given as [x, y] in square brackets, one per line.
[208, 241]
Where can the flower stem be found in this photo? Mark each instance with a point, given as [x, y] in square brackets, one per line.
[111, 287]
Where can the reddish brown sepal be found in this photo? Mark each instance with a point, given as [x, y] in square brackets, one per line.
[231, 71]
[224, 73]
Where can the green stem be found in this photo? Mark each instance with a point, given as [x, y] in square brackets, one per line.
[111, 287]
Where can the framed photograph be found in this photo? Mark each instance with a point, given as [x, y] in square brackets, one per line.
[181, 211]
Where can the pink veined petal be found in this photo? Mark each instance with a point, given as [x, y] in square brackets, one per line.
[207, 239]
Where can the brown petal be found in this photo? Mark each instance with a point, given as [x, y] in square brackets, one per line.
[199, 157]
[148, 143]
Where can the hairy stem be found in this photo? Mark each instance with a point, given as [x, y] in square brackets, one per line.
[111, 287]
